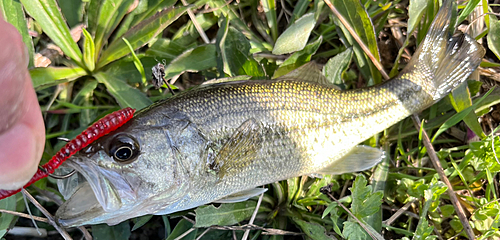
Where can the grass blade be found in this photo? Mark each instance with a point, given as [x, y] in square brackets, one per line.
[166, 49]
[459, 116]
[234, 51]
[111, 12]
[88, 51]
[379, 182]
[125, 69]
[300, 8]
[494, 37]
[137, 63]
[224, 215]
[298, 58]
[47, 14]
[6, 219]
[93, 12]
[50, 76]
[223, 10]
[116, 232]
[335, 66]
[485, 10]
[357, 17]
[72, 11]
[461, 99]
[270, 11]
[312, 229]
[85, 98]
[467, 10]
[140, 34]
[295, 37]
[13, 13]
[415, 12]
[195, 59]
[125, 95]
[141, 221]
[180, 230]
[144, 10]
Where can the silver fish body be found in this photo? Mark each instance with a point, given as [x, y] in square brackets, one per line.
[219, 142]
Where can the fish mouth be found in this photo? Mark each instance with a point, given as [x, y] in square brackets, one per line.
[79, 208]
[93, 194]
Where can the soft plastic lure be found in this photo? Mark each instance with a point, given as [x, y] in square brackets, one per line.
[100, 128]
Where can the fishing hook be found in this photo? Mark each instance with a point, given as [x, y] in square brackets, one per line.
[58, 176]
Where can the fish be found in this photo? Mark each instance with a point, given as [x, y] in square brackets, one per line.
[220, 141]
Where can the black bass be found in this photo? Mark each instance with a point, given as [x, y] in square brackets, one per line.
[219, 142]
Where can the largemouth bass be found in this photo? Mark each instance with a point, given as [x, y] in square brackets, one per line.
[220, 141]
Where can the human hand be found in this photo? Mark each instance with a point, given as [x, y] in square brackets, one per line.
[22, 131]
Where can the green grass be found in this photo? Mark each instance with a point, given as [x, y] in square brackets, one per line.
[402, 198]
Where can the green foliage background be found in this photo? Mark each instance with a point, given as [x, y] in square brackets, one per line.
[108, 47]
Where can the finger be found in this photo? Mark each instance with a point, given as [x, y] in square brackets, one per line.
[22, 131]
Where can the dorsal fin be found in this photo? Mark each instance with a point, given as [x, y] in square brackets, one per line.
[308, 72]
[226, 80]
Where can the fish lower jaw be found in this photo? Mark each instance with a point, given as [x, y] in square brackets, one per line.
[83, 208]
[80, 209]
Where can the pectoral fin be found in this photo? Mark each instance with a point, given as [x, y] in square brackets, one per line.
[359, 159]
[240, 149]
[242, 196]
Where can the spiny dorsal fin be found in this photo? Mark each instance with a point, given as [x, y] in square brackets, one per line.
[226, 80]
[240, 149]
[308, 72]
[359, 159]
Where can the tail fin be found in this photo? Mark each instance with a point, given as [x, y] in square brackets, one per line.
[441, 63]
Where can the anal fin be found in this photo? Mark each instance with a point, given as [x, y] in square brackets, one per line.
[242, 196]
[360, 158]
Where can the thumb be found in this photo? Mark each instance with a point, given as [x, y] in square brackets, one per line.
[22, 131]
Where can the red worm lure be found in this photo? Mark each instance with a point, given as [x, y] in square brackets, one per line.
[100, 128]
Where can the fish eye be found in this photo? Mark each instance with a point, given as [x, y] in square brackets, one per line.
[123, 148]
